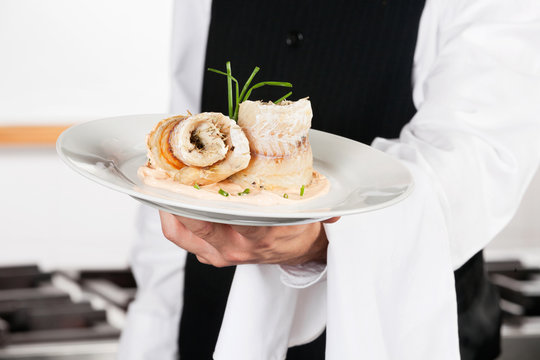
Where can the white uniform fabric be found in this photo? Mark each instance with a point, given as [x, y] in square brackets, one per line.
[472, 148]
[151, 329]
[385, 297]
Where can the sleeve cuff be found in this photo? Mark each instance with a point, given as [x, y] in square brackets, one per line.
[302, 276]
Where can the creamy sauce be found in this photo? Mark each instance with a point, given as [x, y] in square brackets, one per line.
[160, 179]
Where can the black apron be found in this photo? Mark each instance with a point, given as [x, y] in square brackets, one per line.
[354, 61]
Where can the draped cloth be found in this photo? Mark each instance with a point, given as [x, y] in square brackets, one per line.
[386, 296]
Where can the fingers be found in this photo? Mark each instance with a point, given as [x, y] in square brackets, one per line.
[224, 245]
[252, 232]
[203, 260]
[176, 232]
[257, 233]
[170, 227]
[218, 235]
[202, 229]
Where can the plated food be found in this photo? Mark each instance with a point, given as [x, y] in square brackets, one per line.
[111, 151]
[264, 157]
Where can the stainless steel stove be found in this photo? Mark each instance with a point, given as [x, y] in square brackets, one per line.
[68, 315]
[519, 287]
[77, 315]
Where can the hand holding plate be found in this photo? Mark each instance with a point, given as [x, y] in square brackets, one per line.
[225, 245]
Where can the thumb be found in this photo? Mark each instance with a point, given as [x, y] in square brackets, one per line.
[331, 220]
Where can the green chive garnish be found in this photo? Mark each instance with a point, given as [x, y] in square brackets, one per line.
[229, 88]
[302, 190]
[272, 83]
[283, 97]
[245, 192]
[196, 186]
[246, 90]
[230, 78]
[223, 192]
[285, 196]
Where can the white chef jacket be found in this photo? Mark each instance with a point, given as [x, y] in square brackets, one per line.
[472, 148]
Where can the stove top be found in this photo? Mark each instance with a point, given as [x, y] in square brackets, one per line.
[62, 314]
[77, 315]
[519, 288]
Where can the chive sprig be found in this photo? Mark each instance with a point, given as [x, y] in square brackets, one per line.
[241, 96]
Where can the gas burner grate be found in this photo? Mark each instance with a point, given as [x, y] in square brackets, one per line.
[61, 307]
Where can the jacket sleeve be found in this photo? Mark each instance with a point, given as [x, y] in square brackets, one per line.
[477, 130]
[151, 329]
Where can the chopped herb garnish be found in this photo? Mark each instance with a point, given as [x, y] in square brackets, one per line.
[223, 192]
[302, 190]
[196, 186]
[246, 90]
[285, 196]
[245, 192]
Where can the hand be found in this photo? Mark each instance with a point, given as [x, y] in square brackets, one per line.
[225, 245]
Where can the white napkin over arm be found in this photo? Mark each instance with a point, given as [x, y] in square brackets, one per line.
[477, 129]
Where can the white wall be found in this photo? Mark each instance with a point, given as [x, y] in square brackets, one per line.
[69, 60]
[62, 62]
[54, 217]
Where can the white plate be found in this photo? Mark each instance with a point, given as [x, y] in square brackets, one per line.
[109, 151]
[230, 219]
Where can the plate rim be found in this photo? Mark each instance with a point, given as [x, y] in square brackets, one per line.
[242, 221]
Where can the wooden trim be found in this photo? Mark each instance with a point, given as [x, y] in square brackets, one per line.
[30, 135]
